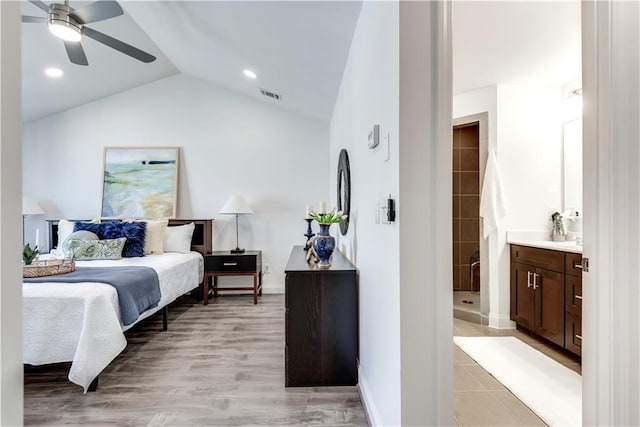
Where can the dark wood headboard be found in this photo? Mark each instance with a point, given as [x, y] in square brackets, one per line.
[201, 241]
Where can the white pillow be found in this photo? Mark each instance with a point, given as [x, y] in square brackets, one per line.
[178, 238]
[65, 228]
[154, 235]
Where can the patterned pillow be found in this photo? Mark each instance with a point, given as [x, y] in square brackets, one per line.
[133, 231]
[86, 250]
[77, 235]
[65, 228]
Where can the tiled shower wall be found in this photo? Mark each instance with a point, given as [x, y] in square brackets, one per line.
[466, 202]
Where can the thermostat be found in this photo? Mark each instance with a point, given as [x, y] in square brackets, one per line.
[374, 136]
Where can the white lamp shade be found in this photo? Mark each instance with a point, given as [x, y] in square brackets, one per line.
[31, 207]
[236, 205]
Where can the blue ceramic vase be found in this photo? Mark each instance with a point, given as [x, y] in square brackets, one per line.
[323, 245]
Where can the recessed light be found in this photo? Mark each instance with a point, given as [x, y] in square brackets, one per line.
[53, 72]
[250, 74]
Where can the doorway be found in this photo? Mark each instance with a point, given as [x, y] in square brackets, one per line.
[466, 221]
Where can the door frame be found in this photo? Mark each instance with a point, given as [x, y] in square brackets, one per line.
[611, 197]
[487, 287]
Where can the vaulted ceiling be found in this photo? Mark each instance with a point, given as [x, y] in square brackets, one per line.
[297, 48]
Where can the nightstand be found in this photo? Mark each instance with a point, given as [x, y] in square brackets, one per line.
[224, 263]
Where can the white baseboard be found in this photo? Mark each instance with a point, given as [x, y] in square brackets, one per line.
[501, 321]
[370, 410]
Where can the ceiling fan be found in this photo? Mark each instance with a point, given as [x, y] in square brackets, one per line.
[69, 24]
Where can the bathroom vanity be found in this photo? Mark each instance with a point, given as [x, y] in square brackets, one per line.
[546, 291]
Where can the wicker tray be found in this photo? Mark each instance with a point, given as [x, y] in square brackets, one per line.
[48, 268]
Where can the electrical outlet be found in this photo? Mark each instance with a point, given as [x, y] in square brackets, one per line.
[266, 268]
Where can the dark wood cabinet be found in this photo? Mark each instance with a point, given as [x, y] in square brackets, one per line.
[321, 322]
[522, 296]
[538, 292]
[548, 287]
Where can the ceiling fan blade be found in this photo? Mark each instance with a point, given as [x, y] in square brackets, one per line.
[76, 53]
[26, 18]
[40, 4]
[98, 11]
[133, 52]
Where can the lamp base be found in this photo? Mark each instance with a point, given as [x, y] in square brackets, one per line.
[237, 251]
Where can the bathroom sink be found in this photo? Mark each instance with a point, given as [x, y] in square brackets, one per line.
[568, 243]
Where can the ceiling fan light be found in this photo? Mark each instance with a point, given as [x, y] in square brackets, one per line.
[65, 31]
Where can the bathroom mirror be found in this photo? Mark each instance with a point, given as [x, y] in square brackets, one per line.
[572, 165]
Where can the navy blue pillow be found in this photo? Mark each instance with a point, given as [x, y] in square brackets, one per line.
[96, 229]
[134, 232]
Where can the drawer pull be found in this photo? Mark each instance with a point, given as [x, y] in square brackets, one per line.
[535, 281]
[577, 265]
[528, 279]
[229, 264]
[578, 297]
[579, 337]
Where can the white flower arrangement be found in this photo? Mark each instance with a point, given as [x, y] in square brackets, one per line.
[332, 217]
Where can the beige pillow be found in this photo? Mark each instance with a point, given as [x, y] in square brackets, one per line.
[65, 228]
[154, 235]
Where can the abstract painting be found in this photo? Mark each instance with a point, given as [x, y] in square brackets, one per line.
[140, 182]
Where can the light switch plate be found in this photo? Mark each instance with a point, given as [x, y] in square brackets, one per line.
[374, 136]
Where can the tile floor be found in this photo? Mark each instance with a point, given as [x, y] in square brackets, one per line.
[479, 399]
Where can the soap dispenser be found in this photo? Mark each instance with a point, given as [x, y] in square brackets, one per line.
[574, 227]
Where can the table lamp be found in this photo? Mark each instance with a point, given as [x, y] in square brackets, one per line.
[30, 207]
[236, 205]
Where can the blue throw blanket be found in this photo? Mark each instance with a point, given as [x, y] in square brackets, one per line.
[138, 287]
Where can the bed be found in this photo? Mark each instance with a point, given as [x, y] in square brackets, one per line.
[81, 322]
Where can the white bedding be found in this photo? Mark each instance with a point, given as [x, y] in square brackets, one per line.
[80, 322]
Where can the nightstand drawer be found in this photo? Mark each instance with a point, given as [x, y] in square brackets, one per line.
[233, 263]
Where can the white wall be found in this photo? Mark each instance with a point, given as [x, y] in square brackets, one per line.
[368, 95]
[230, 144]
[406, 369]
[525, 129]
[10, 202]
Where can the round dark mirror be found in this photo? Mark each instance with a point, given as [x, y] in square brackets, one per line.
[344, 190]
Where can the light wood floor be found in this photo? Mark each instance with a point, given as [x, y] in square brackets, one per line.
[222, 364]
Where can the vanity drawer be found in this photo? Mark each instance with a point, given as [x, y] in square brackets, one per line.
[573, 334]
[573, 295]
[572, 261]
[543, 258]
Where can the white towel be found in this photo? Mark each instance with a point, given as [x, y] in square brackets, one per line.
[493, 206]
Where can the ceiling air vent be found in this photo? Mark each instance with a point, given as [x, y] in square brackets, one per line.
[270, 94]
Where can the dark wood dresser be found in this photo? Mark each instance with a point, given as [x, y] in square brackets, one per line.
[321, 321]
